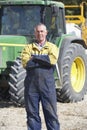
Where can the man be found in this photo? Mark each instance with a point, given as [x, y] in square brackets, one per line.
[39, 60]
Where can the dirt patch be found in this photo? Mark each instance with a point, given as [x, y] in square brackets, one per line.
[72, 116]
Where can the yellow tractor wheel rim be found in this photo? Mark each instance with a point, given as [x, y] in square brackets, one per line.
[78, 74]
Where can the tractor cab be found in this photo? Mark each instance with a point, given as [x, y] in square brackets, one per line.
[21, 19]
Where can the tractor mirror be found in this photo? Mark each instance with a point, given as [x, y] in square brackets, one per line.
[55, 10]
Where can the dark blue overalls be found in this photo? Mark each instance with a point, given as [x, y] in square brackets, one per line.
[40, 86]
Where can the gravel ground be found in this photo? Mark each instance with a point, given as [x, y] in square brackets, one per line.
[72, 116]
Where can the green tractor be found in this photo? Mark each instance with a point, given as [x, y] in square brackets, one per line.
[17, 20]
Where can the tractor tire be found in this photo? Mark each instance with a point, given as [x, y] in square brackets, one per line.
[16, 83]
[73, 72]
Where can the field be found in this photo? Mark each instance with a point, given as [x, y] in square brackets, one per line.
[72, 116]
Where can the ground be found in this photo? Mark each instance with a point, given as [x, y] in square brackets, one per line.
[72, 116]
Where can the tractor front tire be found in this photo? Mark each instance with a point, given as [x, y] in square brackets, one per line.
[16, 83]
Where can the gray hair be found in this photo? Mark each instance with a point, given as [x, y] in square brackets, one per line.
[40, 24]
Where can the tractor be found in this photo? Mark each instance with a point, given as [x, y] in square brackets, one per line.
[17, 21]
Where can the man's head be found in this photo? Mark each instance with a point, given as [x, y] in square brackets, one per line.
[40, 33]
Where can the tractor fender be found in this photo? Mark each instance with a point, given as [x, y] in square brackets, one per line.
[73, 39]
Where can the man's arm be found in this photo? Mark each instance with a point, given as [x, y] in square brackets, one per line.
[50, 59]
[26, 55]
[53, 54]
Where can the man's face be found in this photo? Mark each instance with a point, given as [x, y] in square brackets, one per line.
[40, 33]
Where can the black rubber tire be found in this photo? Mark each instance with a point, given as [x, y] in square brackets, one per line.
[16, 83]
[74, 83]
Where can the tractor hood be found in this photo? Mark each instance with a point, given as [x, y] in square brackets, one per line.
[10, 48]
[8, 40]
